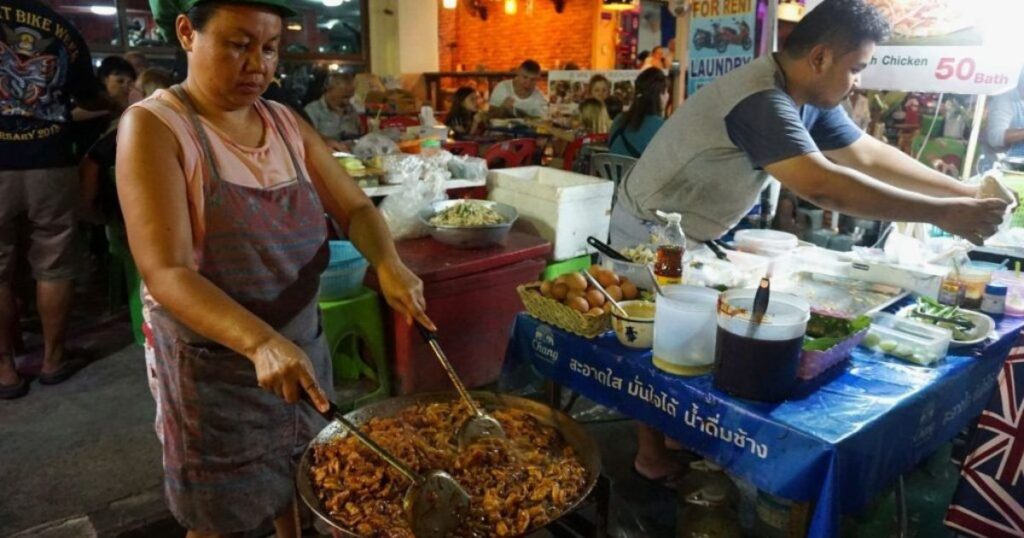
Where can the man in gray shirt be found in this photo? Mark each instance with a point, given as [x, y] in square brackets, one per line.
[333, 114]
[780, 115]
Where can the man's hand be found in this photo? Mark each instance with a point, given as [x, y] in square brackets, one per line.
[508, 104]
[974, 220]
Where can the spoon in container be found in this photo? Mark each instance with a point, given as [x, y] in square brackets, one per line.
[479, 425]
[593, 281]
[435, 503]
[654, 279]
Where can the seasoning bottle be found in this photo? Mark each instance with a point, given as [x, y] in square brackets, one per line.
[668, 261]
[951, 291]
[994, 299]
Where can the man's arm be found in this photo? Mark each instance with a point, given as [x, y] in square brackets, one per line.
[886, 163]
[831, 186]
[997, 126]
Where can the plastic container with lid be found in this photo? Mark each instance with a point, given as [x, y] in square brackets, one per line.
[684, 330]
[907, 339]
[975, 276]
[771, 243]
[993, 302]
[759, 361]
[1014, 292]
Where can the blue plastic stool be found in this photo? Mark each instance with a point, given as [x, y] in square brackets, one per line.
[348, 325]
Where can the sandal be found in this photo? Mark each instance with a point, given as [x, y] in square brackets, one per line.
[67, 369]
[15, 391]
[667, 481]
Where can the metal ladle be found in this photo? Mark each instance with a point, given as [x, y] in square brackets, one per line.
[435, 504]
[593, 281]
[479, 425]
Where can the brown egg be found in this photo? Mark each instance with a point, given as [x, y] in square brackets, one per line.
[560, 280]
[545, 289]
[595, 298]
[579, 304]
[559, 290]
[615, 292]
[574, 294]
[594, 269]
[607, 307]
[596, 311]
[629, 291]
[576, 281]
[607, 278]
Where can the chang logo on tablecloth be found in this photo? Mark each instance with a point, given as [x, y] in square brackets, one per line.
[544, 344]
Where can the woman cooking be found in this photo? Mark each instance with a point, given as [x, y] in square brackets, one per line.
[224, 197]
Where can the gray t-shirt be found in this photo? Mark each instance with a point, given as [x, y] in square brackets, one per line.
[707, 161]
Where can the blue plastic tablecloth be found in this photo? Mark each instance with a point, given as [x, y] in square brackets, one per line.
[837, 447]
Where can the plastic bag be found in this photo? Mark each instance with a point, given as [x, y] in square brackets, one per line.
[374, 145]
[401, 209]
[400, 168]
[465, 167]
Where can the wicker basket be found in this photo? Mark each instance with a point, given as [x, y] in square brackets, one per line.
[555, 313]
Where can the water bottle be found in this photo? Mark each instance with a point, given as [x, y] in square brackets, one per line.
[668, 261]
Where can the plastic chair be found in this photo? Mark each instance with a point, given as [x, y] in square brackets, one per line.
[613, 168]
[124, 278]
[569, 156]
[469, 149]
[511, 153]
[399, 122]
[350, 325]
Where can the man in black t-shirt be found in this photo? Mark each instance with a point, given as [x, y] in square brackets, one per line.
[44, 63]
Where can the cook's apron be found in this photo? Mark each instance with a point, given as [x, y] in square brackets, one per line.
[228, 445]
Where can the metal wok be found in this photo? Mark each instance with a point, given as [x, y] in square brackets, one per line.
[574, 434]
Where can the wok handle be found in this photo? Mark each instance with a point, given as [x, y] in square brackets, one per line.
[333, 413]
[605, 249]
[430, 337]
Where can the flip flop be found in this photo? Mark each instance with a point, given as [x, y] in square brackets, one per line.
[15, 391]
[67, 369]
[667, 481]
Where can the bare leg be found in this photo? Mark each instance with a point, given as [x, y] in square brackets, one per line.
[287, 524]
[652, 459]
[54, 298]
[8, 375]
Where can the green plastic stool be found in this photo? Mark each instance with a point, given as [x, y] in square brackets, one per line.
[124, 278]
[347, 323]
[572, 265]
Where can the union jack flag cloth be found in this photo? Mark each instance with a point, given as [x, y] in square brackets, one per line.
[989, 502]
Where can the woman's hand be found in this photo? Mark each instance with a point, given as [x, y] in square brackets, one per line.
[404, 292]
[284, 369]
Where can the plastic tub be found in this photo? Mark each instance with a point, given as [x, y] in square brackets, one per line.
[759, 361]
[684, 330]
[1014, 292]
[769, 243]
[635, 272]
[345, 272]
[907, 339]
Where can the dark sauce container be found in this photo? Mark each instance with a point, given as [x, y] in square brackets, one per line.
[759, 361]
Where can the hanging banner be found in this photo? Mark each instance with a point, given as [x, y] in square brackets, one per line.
[721, 39]
[951, 46]
[566, 89]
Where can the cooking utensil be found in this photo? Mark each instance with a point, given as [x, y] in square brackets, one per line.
[479, 425]
[573, 433]
[719, 253]
[723, 245]
[470, 237]
[436, 504]
[593, 281]
[761, 299]
[657, 285]
[606, 249]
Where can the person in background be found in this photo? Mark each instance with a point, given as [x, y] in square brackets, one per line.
[1005, 127]
[153, 79]
[140, 64]
[642, 57]
[117, 77]
[38, 182]
[519, 97]
[634, 129]
[333, 114]
[656, 59]
[600, 87]
[467, 116]
[368, 87]
[593, 117]
[614, 107]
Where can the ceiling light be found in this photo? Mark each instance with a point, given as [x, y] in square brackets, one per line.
[618, 5]
[106, 11]
[790, 11]
[511, 7]
[449, 4]
[331, 3]
[294, 27]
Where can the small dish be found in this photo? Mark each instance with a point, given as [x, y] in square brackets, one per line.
[637, 330]
[983, 326]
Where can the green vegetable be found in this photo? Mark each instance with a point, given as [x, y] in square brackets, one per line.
[888, 345]
[825, 332]
[872, 340]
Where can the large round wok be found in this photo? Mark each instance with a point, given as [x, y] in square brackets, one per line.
[574, 434]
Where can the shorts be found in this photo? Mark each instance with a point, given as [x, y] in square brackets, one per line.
[41, 205]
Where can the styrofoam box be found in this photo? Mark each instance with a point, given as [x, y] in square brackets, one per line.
[563, 206]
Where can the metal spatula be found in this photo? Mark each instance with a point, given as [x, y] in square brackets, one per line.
[435, 504]
[479, 425]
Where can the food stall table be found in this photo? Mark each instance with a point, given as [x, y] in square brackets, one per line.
[837, 447]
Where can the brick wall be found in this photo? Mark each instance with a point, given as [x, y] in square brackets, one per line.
[503, 41]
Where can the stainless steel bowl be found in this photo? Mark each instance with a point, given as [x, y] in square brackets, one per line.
[470, 237]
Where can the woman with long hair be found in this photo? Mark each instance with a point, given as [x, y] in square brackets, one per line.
[633, 129]
[593, 117]
[466, 117]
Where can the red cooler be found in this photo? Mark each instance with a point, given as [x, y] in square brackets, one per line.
[471, 296]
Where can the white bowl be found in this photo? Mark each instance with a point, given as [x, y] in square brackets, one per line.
[636, 330]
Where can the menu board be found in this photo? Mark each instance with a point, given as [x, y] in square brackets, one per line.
[566, 89]
[721, 39]
[953, 46]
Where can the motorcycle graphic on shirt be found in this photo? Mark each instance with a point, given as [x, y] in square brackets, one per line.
[30, 78]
